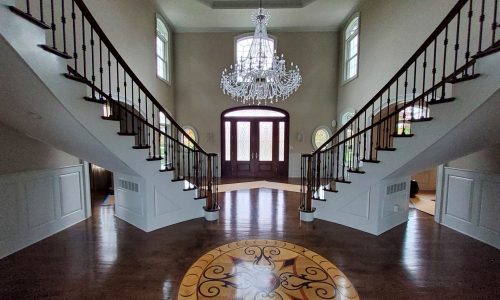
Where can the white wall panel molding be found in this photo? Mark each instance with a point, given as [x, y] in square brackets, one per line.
[37, 204]
[471, 204]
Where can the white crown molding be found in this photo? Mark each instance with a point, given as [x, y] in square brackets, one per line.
[251, 29]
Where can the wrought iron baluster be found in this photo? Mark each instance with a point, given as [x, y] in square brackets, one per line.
[75, 53]
[63, 21]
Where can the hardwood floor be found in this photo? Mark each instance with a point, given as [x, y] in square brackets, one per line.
[106, 258]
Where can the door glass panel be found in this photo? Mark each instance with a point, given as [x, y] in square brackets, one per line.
[243, 141]
[265, 141]
[282, 141]
[227, 140]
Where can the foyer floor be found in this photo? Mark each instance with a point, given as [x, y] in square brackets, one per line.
[106, 258]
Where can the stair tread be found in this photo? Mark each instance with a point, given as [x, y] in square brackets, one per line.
[356, 171]
[385, 149]
[421, 119]
[341, 180]
[55, 51]
[95, 100]
[463, 78]
[126, 133]
[439, 101]
[154, 158]
[141, 147]
[110, 118]
[402, 135]
[331, 190]
[374, 161]
[76, 78]
[28, 17]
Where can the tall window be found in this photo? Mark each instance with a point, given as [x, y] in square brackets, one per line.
[242, 47]
[162, 50]
[351, 49]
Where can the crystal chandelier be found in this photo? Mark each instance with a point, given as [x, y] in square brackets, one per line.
[261, 77]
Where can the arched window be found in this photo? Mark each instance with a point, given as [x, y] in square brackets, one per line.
[242, 48]
[351, 48]
[162, 49]
[320, 136]
[192, 134]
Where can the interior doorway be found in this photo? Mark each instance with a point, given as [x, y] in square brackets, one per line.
[255, 142]
[101, 186]
[423, 191]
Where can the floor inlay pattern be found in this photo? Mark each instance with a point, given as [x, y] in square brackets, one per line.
[264, 269]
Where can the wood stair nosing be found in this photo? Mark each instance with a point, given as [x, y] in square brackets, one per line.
[95, 100]
[139, 147]
[126, 133]
[440, 101]
[55, 51]
[111, 118]
[178, 179]
[421, 120]
[167, 169]
[463, 78]
[403, 135]
[200, 198]
[76, 78]
[28, 17]
[341, 180]
[373, 161]
[331, 190]
[154, 158]
[356, 171]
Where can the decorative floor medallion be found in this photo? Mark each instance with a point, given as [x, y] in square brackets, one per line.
[264, 269]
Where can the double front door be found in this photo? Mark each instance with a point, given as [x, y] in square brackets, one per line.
[255, 147]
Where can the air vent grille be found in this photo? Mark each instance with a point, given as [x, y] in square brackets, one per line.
[128, 185]
[395, 188]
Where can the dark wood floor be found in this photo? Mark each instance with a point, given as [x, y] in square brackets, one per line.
[106, 258]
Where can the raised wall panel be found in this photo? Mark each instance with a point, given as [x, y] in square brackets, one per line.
[129, 201]
[71, 193]
[459, 197]
[472, 204]
[41, 202]
[37, 204]
[490, 206]
[9, 217]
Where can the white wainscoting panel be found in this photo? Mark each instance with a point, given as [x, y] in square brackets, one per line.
[471, 204]
[37, 204]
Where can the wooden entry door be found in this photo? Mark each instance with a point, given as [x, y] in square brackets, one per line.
[255, 146]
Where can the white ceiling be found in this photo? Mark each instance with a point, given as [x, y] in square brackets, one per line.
[291, 15]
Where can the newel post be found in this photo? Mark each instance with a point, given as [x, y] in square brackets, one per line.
[306, 210]
[212, 205]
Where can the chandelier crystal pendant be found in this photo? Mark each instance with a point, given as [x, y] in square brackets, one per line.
[261, 77]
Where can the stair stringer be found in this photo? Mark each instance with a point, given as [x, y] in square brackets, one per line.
[161, 201]
[470, 117]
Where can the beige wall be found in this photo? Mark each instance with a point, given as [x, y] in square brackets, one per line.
[135, 40]
[486, 160]
[20, 153]
[387, 41]
[201, 57]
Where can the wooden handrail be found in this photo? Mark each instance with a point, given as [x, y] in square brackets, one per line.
[454, 11]
[95, 26]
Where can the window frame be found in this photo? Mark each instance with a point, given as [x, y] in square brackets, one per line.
[346, 40]
[313, 137]
[247, 35]
[166, 49]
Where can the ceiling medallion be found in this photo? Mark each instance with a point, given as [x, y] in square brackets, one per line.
[262, 77]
